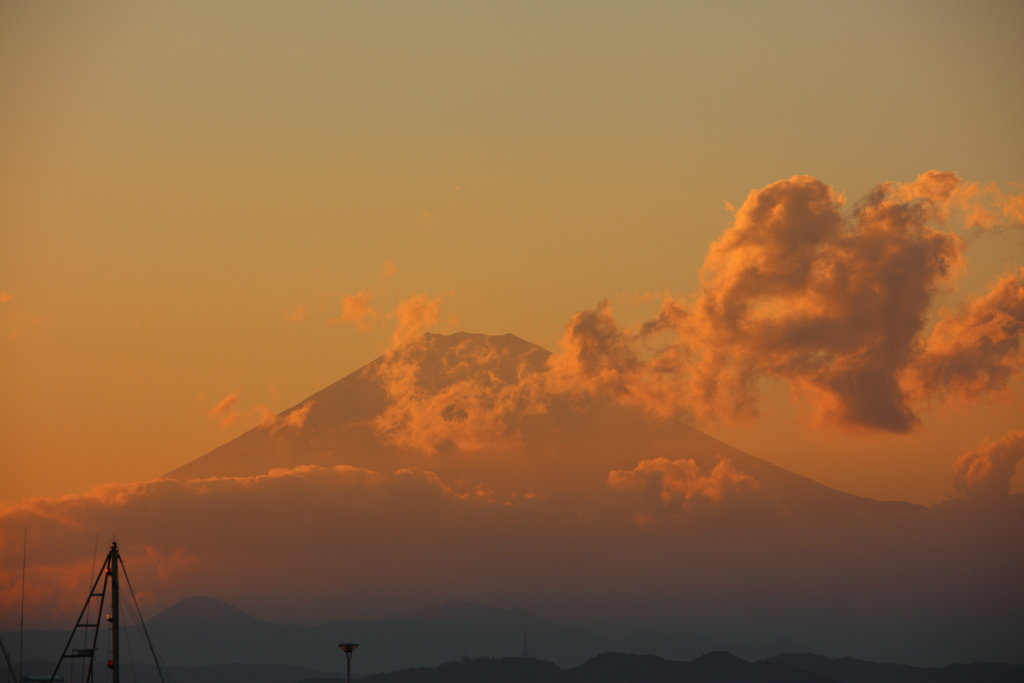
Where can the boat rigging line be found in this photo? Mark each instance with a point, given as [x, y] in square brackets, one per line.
[89, 621]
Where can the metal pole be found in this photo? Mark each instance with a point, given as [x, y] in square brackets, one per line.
[114, 616]
[348, 649]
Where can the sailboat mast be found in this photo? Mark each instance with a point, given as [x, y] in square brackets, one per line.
[115, 662]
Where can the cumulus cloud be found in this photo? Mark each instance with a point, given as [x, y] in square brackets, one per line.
[5, 297]
[465, 398]
[986, 471]
[600, 358]
[975, 349]
[832, 302]
[834, 307]
[949, 195]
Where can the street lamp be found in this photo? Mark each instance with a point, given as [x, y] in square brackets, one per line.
[348, 649]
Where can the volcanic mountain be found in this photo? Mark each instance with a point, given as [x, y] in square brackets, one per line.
[486, 470]
[475, 408]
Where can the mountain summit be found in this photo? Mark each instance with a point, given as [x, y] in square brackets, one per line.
[476, 408]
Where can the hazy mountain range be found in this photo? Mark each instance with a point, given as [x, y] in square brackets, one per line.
[204, 640]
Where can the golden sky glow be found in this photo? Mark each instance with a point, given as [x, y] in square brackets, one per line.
[209, 211]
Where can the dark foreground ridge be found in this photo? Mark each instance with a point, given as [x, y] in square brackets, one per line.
[714, 667]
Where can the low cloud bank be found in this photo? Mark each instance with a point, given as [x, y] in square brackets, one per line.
[668, 538]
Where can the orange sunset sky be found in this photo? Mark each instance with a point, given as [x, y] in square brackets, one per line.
[211, 210]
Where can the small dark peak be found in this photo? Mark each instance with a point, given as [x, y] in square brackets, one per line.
[201, 608]
[719, 656]
[720, 659]
[620, 662]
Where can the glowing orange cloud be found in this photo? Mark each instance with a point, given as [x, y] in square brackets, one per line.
[298, 314]
[5, 297]
[677, 482]
[175, 530]
[599, 358]
[356, 308]
[413, 316]
[461, 409]
[975, 349]
[795, 292]
[986, 471]
[225, 409]
[994, 208]
[835, 305]
[294, 419]
[832, 303]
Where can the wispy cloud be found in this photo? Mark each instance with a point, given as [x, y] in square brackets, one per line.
[293, 419]
[299, 313]
[357, 308]
[225, 410]
[413, 316]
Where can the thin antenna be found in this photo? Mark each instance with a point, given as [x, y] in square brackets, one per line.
[12, 675]
[21, 631]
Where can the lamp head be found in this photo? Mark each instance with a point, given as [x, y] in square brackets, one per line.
[348, 648]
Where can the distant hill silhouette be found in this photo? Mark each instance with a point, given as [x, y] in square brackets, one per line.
[714, 667]
[847, 670]
[202, 631]
[200, 609]
[426, 637]
[718, 667]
